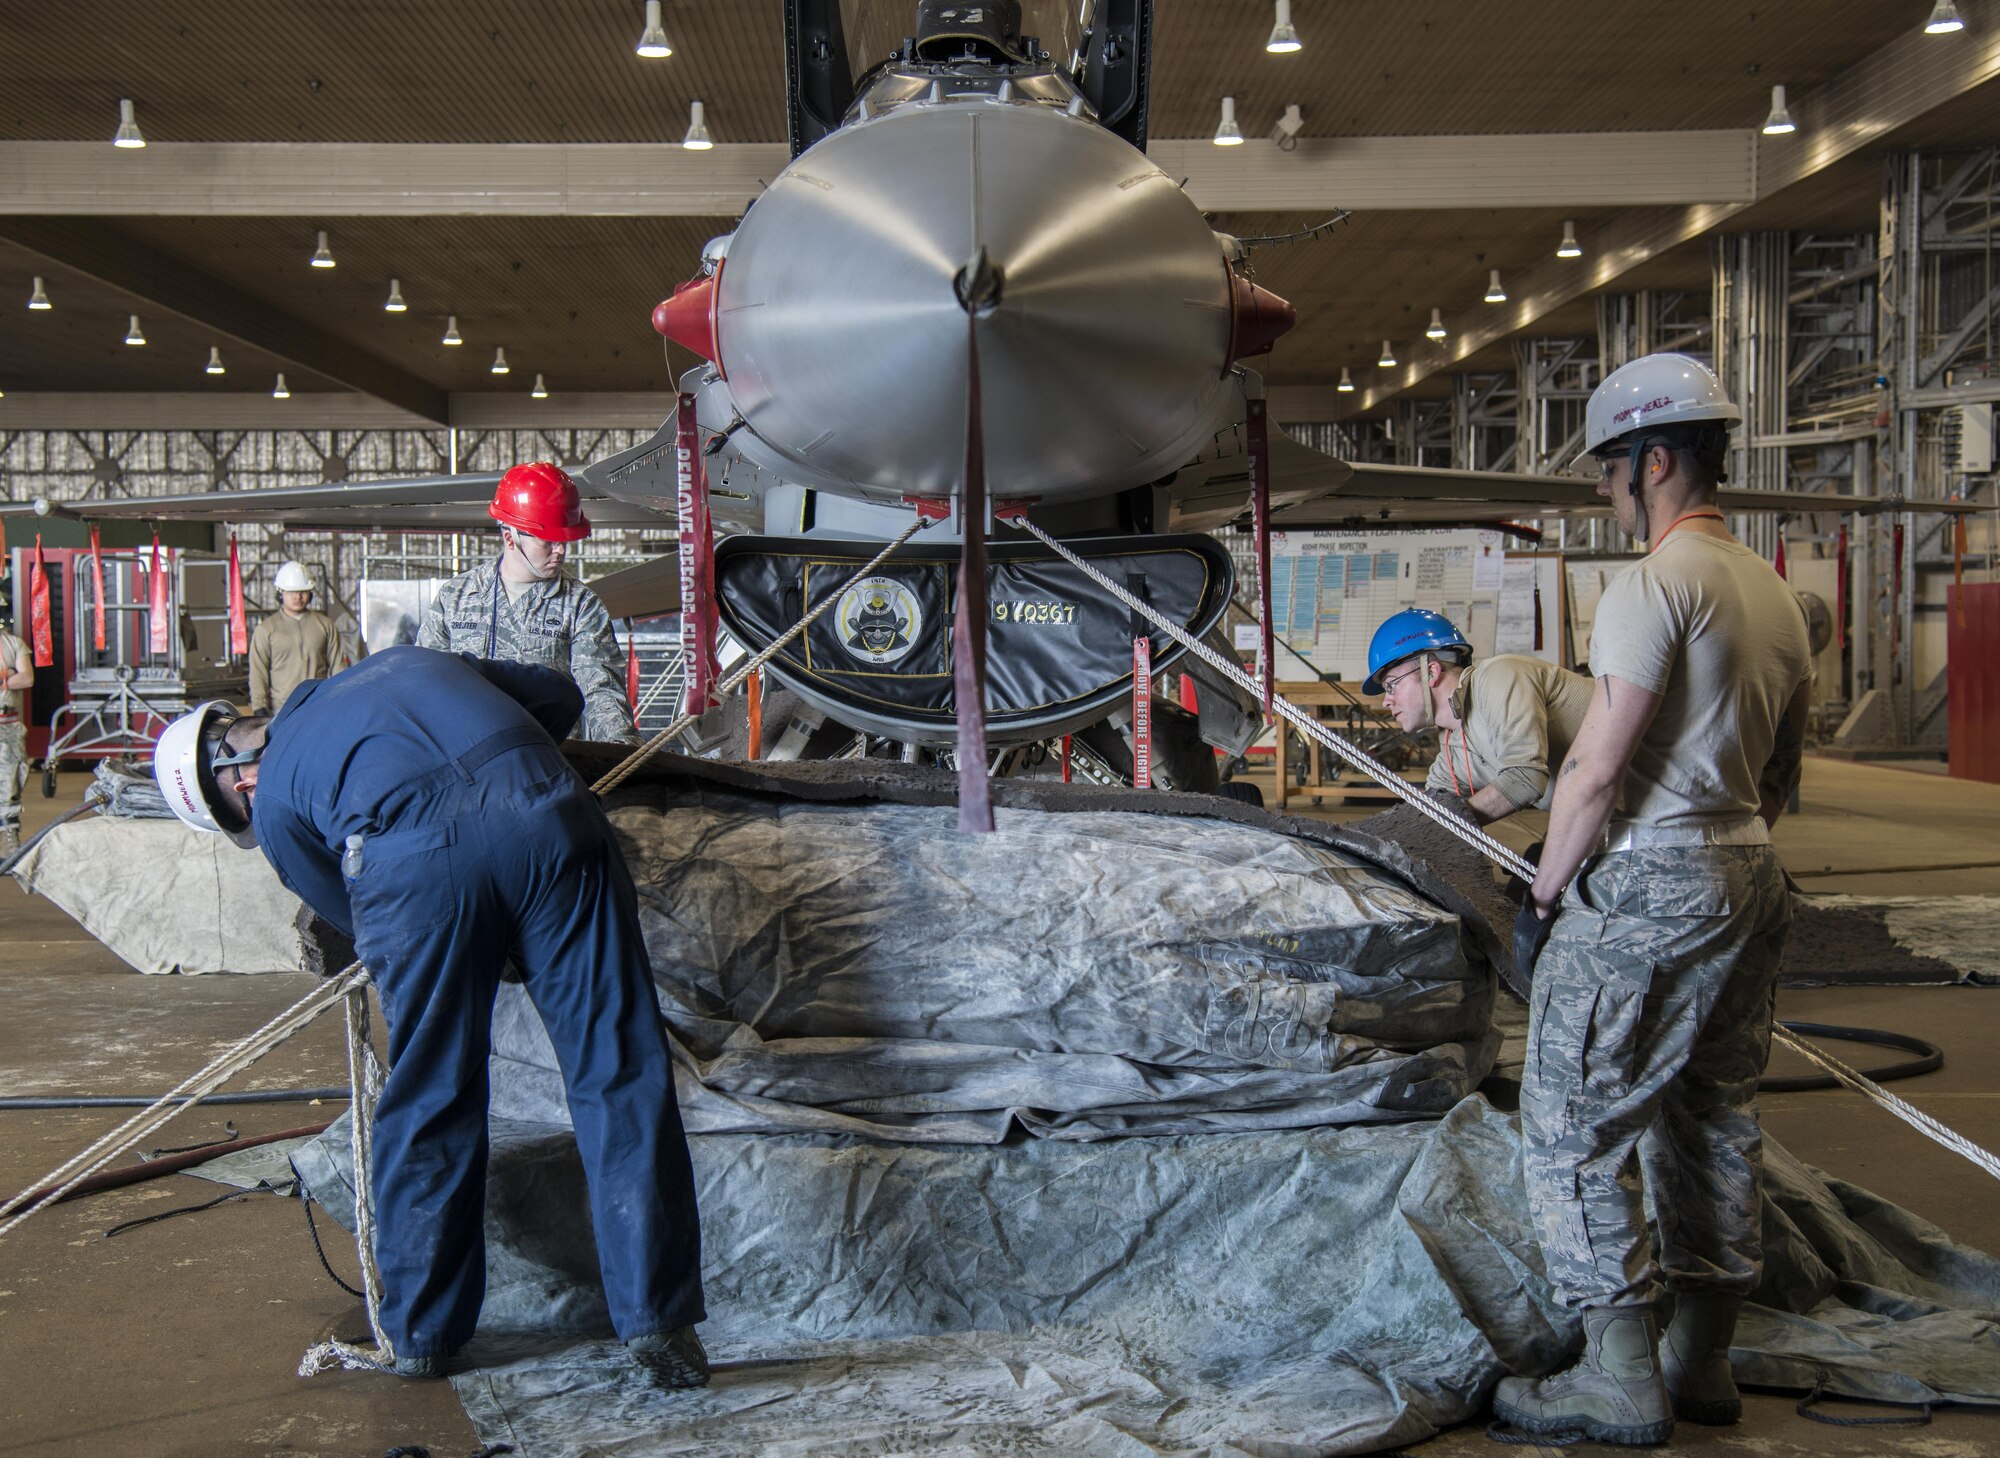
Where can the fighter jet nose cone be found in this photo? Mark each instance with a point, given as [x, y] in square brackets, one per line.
[688, 318]
[1259, 318]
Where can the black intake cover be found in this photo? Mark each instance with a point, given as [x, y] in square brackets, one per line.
[1058, 648]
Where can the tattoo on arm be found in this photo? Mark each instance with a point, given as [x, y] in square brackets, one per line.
[1569, 764]
[1607, 690]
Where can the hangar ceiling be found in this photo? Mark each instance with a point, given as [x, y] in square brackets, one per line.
[569, 296]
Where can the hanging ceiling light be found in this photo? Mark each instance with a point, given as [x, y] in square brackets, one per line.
[1437, 330]
[39, 299]
[1227, 133]
[1944, 19]
[128, 133]
[1494, 293]
[322, 255]
[214, 365]
[1388, 359]
[133, 333]
[697, 138]
[395, 305]
[1569, 247]
[541, 391]
[451, 331]
[1779, 123]
[653, 39]
[1284, 40]
[281, 391]
[1346, 385]
[500, 361]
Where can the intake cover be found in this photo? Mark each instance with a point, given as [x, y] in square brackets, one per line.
[1058, 648]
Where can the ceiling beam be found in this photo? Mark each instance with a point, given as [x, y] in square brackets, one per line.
[1858, 108]
[111, 257]
[323, 180]
[324, 410]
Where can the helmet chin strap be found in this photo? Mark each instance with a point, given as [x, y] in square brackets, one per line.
[1429, 712]
[1642, 527]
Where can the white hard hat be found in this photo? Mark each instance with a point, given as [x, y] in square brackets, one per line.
[293, 577]
[1654, 390]
[184, 770]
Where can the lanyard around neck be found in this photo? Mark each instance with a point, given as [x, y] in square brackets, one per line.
[1690, 516]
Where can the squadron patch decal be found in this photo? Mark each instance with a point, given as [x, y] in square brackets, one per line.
[878, 620]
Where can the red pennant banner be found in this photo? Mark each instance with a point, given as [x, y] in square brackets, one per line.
[1538, 607]
[97, 589]
[1257, 428]
[753, 696]
[239, 619]
[1778, 565]
[157, 578]
[40, 626]
[631, 671]
[1142, 713]
[697, 560]
[1065, 759]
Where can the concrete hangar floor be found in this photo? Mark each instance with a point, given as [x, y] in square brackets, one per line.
[182, 1338]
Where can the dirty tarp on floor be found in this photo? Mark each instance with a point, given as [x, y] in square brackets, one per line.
[1082, 973]
[1843, 941]
[165, 898]
[1271, 1293]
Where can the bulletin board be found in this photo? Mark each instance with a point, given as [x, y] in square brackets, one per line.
[1530, 607]
[1584, 579]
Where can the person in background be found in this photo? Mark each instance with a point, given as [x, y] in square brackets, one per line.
[17, 672]
[293, 645]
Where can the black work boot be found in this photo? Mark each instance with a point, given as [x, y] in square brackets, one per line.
[675, 1359]
[421, 1368]
[1694, 1355]
[1614, 1394]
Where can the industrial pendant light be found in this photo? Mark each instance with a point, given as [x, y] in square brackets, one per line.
[653, 39]
[1284, 40]
[1944, 19]
[500, 361]
[133, 333]
[541, 391]
[451, 335]
[1569, 247]
[1388, 359]
[1346, 385]
[1227, 133]
[128, 133]
[697, 138]
[214, 365]
[1494, 293]
[1437, 330]
[395, 305]
[39, 299]
[281, 391]
[322, 255]
[1779, 123]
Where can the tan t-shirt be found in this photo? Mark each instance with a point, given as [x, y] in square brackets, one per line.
[1707, 625]
[286, 651]
[12, 650]
[1520, 716]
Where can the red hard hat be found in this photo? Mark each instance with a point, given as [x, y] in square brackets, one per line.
[540, 499]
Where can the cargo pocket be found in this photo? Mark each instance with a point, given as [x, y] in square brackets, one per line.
[1685, 895]
[406, 885]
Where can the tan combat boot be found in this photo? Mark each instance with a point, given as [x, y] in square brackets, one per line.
[1694, 1354]
[1614, 1394]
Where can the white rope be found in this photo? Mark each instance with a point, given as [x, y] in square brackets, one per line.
[225, 1066]
[624, 769]
[1305, 723]
[1916, 1118]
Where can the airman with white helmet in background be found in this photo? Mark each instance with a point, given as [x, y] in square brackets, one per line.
[1654, 929]
[293, 645]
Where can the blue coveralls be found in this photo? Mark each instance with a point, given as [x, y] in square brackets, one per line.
[481, 843]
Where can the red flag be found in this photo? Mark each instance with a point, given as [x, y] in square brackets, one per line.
[1779, 563]
[631, 671]
[1538, 607]
[97, 588]
[1142, 712]
[753, 695]
[39, 626]
[239, 622]
[697, 558]
[1065, 759]
[162, 637]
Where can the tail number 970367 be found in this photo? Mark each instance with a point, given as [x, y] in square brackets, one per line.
[1034, 612]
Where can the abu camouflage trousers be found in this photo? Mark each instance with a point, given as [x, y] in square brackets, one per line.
[1649, 1026]
[13, 770]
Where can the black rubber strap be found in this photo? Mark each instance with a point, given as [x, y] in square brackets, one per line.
[262, 1187]
[1919, 1419]
[320, 1250]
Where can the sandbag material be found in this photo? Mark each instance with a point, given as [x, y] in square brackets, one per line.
[867, 968]
[1320, 1291]
[166, 898]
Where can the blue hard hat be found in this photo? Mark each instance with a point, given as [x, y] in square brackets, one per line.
[1413, 630]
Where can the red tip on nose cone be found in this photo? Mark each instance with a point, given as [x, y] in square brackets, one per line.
[1259, 318]
[688, 318]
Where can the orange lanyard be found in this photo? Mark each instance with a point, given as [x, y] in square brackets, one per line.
[1465, 751]
[1691, 516]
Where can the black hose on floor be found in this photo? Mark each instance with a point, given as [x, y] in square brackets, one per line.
[1929, 1057]
[142, 1101]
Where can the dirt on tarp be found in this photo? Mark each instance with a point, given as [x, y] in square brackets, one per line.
[1833, 945]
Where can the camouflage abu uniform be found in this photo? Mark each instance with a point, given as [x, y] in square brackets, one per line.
[1650, 1010]
[13, 739]
[559, 623]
